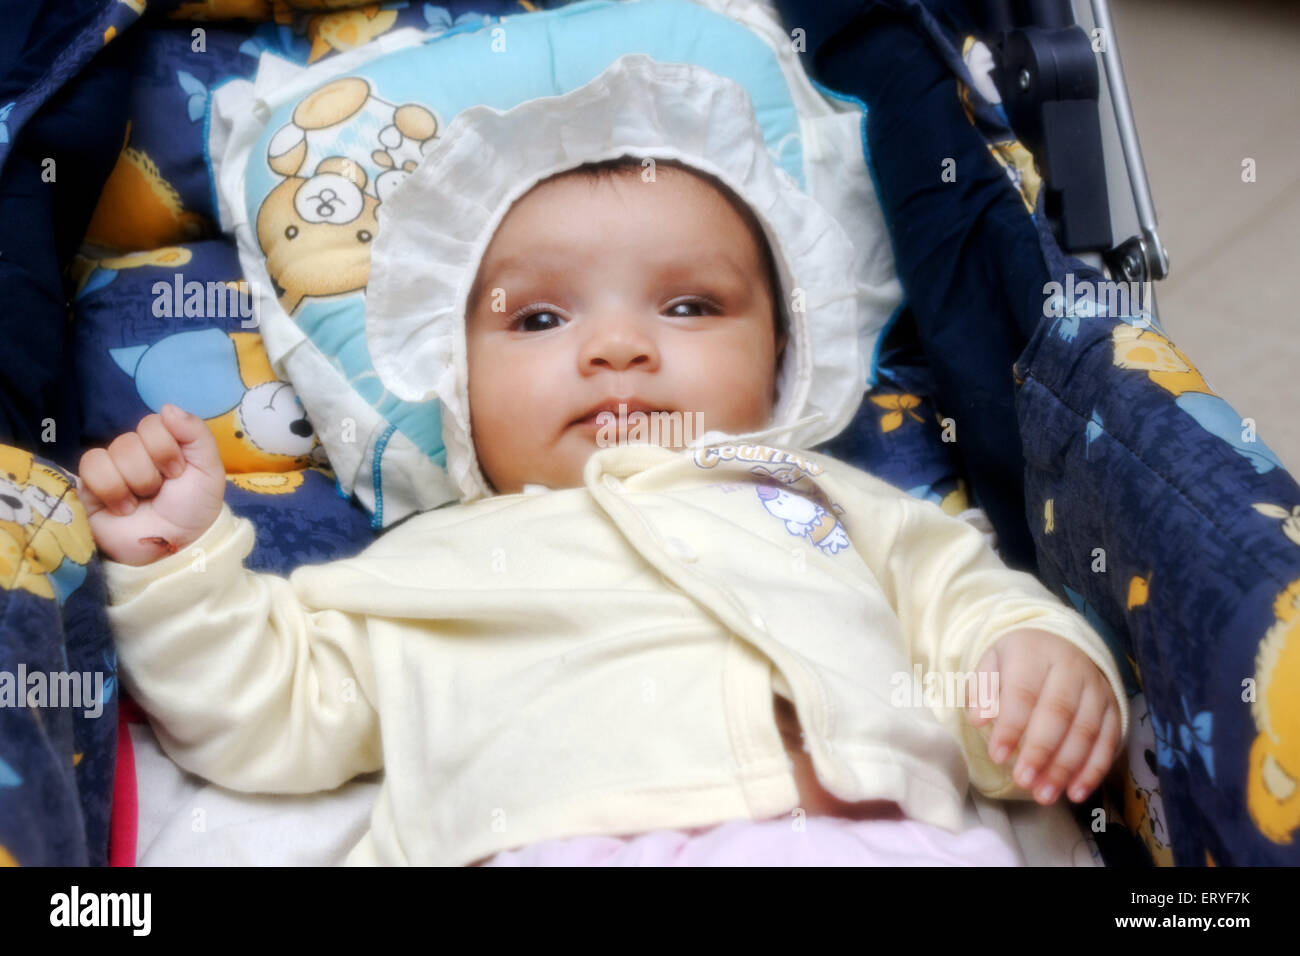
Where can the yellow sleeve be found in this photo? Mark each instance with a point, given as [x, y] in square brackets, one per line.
[244, 685]
[955, 598]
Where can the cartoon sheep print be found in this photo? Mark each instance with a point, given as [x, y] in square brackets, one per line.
[804, 518]
[341, 155]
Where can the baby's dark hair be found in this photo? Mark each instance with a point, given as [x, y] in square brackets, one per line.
[598, 171]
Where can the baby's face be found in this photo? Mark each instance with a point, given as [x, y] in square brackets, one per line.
[653, 294]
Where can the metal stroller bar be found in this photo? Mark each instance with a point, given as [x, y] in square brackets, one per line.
[1047, 71]
[1154, 255]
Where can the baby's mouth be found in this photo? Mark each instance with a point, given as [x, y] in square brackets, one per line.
[639, 423]
[607, 414]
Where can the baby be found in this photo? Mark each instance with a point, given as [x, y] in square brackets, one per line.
[598, 289]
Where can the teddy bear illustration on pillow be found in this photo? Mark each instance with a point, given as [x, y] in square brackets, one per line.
[341, 155]
[45, 539]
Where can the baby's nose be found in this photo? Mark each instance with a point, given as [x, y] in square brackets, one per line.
[619, 358]
[620, 345]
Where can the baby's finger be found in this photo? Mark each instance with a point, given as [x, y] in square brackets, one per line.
[161, 446]
[1075, 750]
[1103, 754]
[196, 441]
[1016, 699]
[100, 476]
[135, 465]
[90, 502]
[1052, 717]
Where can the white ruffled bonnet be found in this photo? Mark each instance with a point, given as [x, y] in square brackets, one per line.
[437, 224]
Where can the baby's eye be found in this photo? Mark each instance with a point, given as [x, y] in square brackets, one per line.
[523, 321]
[703, 306]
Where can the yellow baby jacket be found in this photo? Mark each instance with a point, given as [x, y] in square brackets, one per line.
[594, 660]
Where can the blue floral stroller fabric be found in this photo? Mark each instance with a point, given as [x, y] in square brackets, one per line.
[1150, 504]
[1011, 379]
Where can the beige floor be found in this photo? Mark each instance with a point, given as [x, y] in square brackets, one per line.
[1214, 82]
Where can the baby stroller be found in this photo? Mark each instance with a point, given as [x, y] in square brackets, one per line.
[1011, 379]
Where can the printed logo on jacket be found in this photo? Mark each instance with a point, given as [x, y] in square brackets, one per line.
[809, 515]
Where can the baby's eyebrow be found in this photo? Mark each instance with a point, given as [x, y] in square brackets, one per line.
[535, 264]
[488, 278]
[499, 272]
[679, 264]
[713, 264]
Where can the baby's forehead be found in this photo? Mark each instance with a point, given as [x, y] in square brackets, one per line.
[686, 222]
[680, 185]
[709, 214]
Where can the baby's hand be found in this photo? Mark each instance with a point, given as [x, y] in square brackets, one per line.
[1071, 738]
[136, 514]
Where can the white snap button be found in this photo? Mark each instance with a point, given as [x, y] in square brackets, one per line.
[757, 620]
[681, 549]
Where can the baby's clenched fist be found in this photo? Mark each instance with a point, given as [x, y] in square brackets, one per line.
[1058, 707]
[155, 490]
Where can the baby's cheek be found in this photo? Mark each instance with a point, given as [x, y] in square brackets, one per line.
[759, 403]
